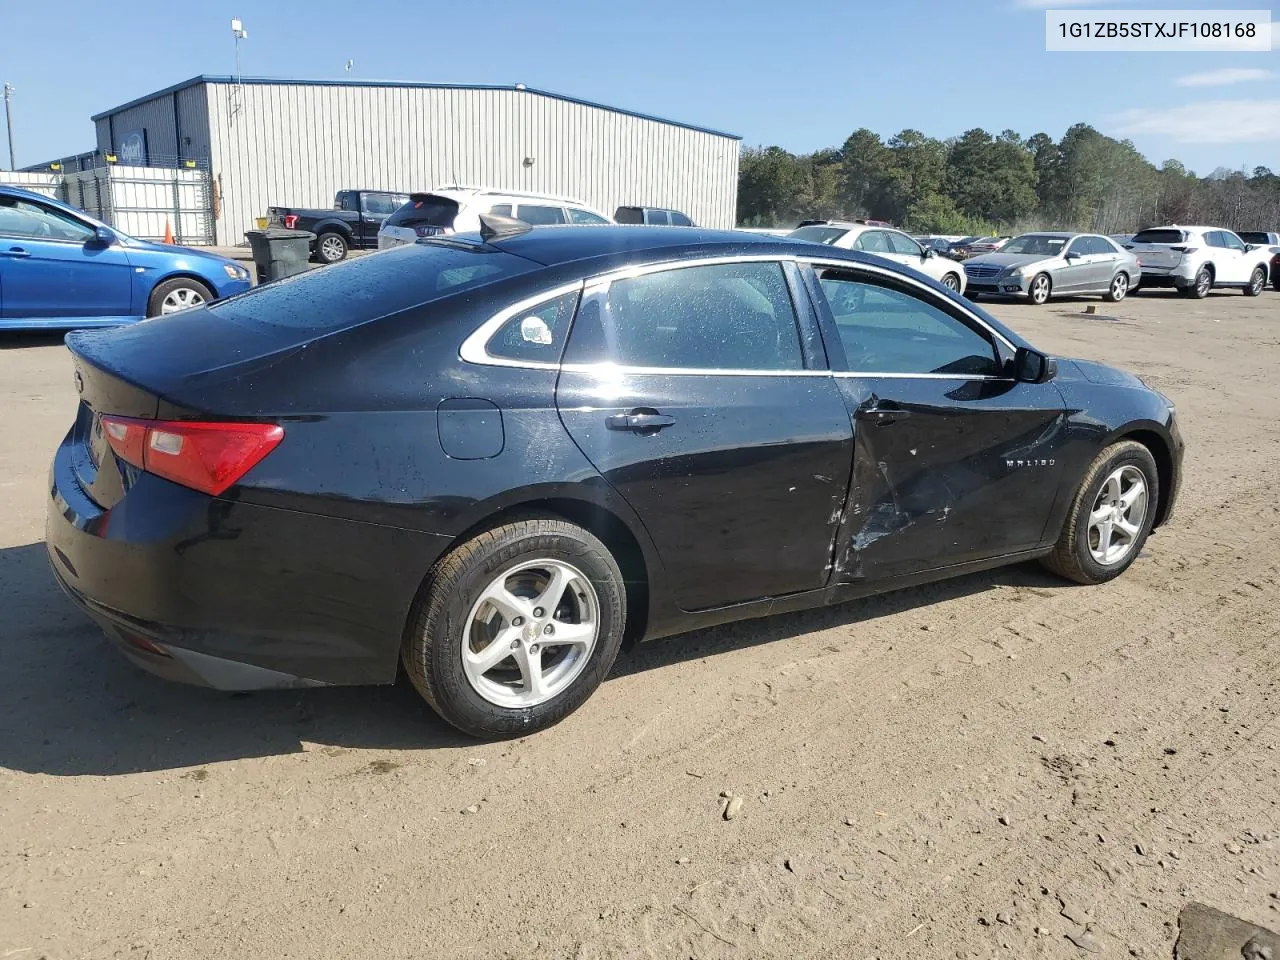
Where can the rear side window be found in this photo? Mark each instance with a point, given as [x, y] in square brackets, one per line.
[900, 243]
[628, 215]
[537, 215]
[1158, 236]
[535, 335]
[678, 219]
[1101, 245]
[425, 210]
[734, 316]
[321, 301]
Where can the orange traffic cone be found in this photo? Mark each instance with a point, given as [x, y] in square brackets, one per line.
[168, 234]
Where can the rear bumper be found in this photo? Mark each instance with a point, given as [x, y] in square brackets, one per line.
[239, 595]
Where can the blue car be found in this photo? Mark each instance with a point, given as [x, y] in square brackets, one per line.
[61, 269]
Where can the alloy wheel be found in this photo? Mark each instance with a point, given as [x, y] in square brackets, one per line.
[1115, 523]
[1203, 283]
[950, 282]
[530, 633]
[1119, 286]
[1257, 282]
[331, 249]
[1040, 289]
[183, 298]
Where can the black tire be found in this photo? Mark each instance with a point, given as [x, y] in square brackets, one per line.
[432, 650]
[331, 247]
[1200, 288]
[1039, 294]
[1257, 282]
[175, 291]
[1117, 291]
[1071, 557]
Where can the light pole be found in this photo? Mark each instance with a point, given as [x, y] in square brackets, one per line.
[240, 33]
[8, 122]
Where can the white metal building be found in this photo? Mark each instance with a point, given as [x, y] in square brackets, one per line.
[296, 142]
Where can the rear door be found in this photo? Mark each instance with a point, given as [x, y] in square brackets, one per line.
[1102, 257]
[688, 389]
[53, 270]
[954, 461]
[539, 214]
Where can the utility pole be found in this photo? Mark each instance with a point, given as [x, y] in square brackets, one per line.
[8, 122]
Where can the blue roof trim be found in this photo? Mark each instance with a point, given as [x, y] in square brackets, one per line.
[208, 78]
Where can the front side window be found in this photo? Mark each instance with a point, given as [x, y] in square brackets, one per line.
[535, 335]
[733, 316]
[501, 209]
[382, 204]
[538, 215]
[657, 218]
[578, 215]
[34, 221]
[1231, 241]
[900, 243]
[885, 330]
[1079, 247]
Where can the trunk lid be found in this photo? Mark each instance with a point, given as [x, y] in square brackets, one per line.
[1160, 249]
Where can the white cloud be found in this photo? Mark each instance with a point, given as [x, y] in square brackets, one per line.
[1225, 77]
[1210, 121]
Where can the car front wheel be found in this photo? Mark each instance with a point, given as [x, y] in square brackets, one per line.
[1111, 516]
[1119, 288]
[175, 295]
[1040, 289]
[518, 627]
[1256, 283]
[951, 281]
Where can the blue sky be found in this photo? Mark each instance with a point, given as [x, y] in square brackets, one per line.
[800, 75]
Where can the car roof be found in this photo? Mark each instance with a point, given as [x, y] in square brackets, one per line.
[1058, 233]
[453, 192]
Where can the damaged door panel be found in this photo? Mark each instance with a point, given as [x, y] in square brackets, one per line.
[969, 472]
[954, 459]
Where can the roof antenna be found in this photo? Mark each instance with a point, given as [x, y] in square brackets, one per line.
[494, 227]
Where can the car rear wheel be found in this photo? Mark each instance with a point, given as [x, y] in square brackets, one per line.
[1119, 288]
[331, 247]
[1111, 516]
[178, 294]
[951, 281]
[1256, 283]
[1040, 288]
[1200, 288]
[518, 627]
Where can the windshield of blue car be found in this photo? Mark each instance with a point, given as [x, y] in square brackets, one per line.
[1033, 243]
[827, 235]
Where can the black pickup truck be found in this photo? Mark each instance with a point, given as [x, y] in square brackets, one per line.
[354, 221]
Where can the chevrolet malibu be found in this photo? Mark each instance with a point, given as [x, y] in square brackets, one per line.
[60, 268]
[495, 458]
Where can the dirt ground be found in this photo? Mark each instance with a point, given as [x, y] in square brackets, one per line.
[1001, 765]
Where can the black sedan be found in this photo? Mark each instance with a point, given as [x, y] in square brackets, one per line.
[495, 458]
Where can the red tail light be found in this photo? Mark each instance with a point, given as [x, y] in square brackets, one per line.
[290, 220]
[208, 457]
[1184, 249]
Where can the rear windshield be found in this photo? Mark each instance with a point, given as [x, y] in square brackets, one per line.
[629, 215]
[1158, 236]
[426, 210]
[347, 294]
[826, 235]
[1253, 236]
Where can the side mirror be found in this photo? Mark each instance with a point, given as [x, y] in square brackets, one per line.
[1074, 254]
[103, 237]
[1250, 247]
[1032, 366]
[929, 252]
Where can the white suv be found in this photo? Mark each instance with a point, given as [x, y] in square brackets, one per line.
[1194, 260]
[456, 209]
[884, 242]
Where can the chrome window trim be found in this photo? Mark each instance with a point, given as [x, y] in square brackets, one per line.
[474, 348]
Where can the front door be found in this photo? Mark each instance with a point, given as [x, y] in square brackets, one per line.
[1229, 256]
[953, 460]
[53, 268]
[688, 390]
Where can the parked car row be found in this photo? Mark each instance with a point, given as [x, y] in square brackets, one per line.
[378, 219]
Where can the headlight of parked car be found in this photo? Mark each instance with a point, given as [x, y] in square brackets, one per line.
[234, 272]
[1012, 272]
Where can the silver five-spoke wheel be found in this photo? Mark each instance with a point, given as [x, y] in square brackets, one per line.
[1039, 291]
[1119, 286]
[1119, 511]
[181, 298]
[530, 633]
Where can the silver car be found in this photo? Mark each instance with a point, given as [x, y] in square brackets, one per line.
[1043, 265]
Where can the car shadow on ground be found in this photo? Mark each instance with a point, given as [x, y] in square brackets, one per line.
[22, 339]
[72, 705]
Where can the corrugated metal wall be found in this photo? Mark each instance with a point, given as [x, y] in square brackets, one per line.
[297, 144]
[172, 135]
[46, 183]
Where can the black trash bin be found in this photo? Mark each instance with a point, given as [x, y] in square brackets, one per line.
[280, 253]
